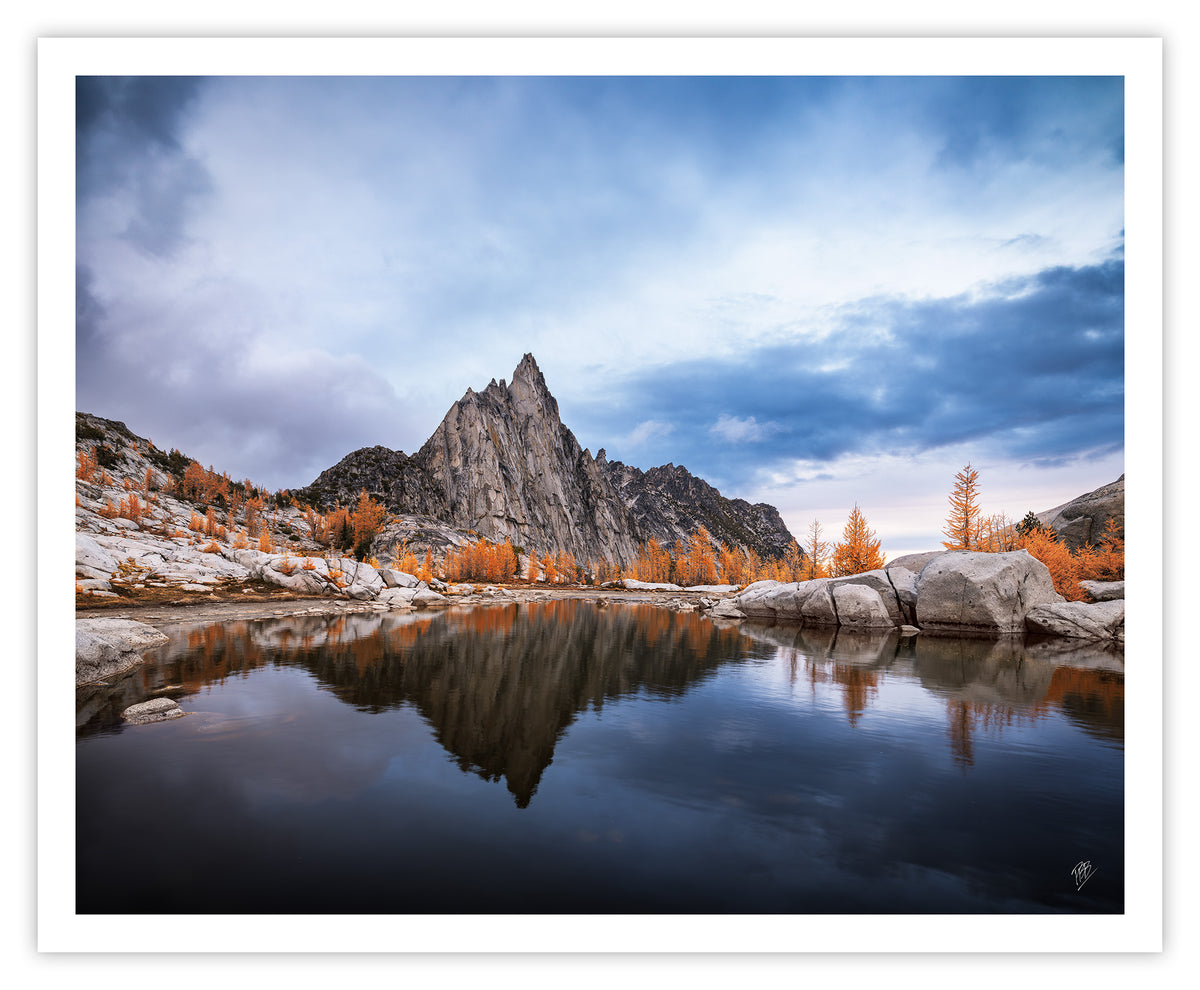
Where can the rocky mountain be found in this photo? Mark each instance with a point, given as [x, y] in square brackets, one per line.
[670, 502]
[1083, 519]
[502, 464]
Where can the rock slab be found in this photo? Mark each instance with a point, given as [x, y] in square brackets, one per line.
[104, 647]
[1101, 621]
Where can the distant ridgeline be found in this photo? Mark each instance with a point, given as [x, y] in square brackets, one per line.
[503, 464]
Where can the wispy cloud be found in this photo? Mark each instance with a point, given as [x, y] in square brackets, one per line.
[733, 429]
[647, 430]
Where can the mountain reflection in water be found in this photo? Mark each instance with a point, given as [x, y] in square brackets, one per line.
[499, 685]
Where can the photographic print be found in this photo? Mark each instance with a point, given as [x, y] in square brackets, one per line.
[628, 493]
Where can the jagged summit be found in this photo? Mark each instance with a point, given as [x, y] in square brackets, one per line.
[503, 464]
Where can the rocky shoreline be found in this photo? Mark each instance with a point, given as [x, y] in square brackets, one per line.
[957, 593]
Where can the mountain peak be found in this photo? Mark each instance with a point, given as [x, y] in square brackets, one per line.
[528, 371]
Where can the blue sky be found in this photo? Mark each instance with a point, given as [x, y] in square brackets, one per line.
[811, 291]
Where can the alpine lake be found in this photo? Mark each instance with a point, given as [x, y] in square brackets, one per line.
[573, 757]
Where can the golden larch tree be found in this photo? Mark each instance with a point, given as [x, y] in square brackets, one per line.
[1063, 566]
[793, 562]
[368, 517]
[859, 550]
[731, 564]
[962, 524]
[702, 563]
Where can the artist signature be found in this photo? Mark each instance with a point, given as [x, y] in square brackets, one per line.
[1082, 873]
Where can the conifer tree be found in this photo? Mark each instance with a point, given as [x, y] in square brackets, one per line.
[859, 550]
[962, 523]
[793, 562]
[701, 564]
[816, 550]
[368, 517]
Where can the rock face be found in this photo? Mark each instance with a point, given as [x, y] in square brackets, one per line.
[1083, 519]
[513, 470]
[502, 464]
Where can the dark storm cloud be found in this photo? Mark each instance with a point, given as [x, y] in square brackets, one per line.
[89, 314]
[1033, 370]
[128, 146]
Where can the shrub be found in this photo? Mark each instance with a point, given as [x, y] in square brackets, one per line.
[1064, 568]
[131, 508]
[1107, 561]
[88, 465]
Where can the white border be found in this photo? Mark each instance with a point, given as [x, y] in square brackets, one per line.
[1139, 60]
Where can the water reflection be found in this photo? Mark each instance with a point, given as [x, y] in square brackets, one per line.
[500, 685]
[335, 765]
[986, 684]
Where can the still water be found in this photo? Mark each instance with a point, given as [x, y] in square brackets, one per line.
[564, 757]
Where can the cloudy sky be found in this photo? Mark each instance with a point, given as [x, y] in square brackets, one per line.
[810, 291]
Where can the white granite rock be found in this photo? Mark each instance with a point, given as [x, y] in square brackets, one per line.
[962, 591]
[1103, 621]
[104, 647]
[154, 710]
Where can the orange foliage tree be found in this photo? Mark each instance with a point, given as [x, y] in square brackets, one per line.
[653, 563]
[732, 566]
[700, 564]
[961, 526]
[792, 562]
[1107, 563]
[404, 559]
[88, 465]
[367, 519]
[1063, 566]
[481, 561]
[131, 508]
[859, 550]
[996, 534]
